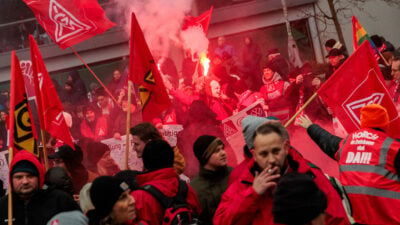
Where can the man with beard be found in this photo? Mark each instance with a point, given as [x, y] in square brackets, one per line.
[249, 199]
[31, 204]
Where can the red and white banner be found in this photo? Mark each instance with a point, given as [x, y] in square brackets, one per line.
[69, 22]
[170, 133]
[359, 82]
[232, 127]
[117, 148]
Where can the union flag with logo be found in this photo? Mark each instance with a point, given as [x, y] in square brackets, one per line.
[49, 107]
[203, 21]
[23, 135]
[69, 22]
[359, 82]
[143, 71]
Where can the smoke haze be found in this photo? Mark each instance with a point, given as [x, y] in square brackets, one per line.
[160, 20]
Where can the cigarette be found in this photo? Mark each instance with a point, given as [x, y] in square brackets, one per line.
[269, 170]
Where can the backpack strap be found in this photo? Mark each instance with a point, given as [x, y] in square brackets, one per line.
[166, 202]
[181, 195]
[161, 198]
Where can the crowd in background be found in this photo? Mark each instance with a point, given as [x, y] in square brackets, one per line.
[236, 80]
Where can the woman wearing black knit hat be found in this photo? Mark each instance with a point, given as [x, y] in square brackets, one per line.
[212, 180]
[112, 201]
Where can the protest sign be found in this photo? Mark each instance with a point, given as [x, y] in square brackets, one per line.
[170, 132]
[4, 168]
[232, 127]
[118, 147]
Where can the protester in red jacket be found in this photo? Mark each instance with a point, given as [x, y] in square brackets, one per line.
[158, 160]
[94, 127]
[249, 199]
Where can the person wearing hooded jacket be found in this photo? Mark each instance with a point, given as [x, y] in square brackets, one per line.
[369, 165]
[32, 205]
[249, 200]
[158, 160]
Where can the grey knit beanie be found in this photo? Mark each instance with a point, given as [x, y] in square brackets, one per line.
[249, 126]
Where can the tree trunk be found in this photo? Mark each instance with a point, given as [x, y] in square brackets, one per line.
[336, 22]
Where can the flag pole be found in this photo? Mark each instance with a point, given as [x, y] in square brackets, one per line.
[285, 15]
[290, 121]
[383, 58]
[95, 76]
[128, 123]
[10, 202]
[44, 149]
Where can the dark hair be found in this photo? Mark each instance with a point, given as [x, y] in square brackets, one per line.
[145, 131]
[89, 108]
[297, 199]
[100, 91]
[396, 58]
[330, 43]
[2, 191]
[157, 154]
[58, 178]
[377, 40]
[272, 127]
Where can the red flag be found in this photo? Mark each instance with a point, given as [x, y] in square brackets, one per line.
[22, 130]
[356, 83]
[203, 20]
[69, 22]
[50, 110]
[144, 71]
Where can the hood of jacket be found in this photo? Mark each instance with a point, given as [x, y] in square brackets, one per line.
[24, 155]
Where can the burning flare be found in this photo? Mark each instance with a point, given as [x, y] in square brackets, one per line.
[205, 62]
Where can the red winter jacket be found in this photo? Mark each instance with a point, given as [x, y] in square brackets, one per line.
[242, 205]
[100, 132]
[149, 209]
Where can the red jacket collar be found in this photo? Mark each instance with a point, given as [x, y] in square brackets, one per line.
[160, 174]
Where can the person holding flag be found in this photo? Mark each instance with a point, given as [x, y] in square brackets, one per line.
[360, 35]
[29, 201]
[369, 164]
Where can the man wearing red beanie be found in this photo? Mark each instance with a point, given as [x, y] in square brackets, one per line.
[369, 164]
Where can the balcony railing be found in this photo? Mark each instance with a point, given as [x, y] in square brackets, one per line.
[14, 35]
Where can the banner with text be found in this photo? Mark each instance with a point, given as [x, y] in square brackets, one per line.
[232, 127]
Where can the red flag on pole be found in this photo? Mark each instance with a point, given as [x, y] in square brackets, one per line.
[356, 83]
[22, 130]
[50, 110]
[203, 20]
[144, 71]
[69, 22]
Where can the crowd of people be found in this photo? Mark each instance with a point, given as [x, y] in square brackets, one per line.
[274, 184]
